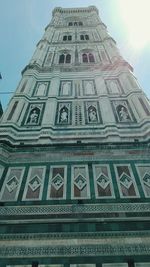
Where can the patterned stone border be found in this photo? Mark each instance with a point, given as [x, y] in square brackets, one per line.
[73, 209]
[71, 235]
[74, 251]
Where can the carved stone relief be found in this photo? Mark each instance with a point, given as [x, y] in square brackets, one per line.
[34, 114]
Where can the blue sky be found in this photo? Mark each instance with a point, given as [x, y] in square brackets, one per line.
[22, 26]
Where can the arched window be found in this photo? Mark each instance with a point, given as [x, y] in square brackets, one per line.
[91, 57]
[86, 37]
[84, 58]
[75, 23]
[65, 38]
[88, 58]
[68, 58]
[65, 58]
[62, 58]
[81, 37]
[69, 37]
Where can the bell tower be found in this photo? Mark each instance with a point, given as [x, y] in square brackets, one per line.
[74, 153]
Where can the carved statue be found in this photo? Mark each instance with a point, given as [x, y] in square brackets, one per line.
[63, 115]
[123, 114]
[92, 115]
[33, 116]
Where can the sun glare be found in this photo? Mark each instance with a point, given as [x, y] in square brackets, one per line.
[136, 17]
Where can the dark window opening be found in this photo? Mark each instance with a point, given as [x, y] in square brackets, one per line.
[86, 37]
[62, 58]
[91, 58]
[68, 58]
[69, 37]
[65, 38]
[12, 111]
[84, 58]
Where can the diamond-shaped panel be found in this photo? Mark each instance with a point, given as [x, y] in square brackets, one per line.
[12, 184]
[103, 181]
[126, 180]
[80, 181]
[146, 179]
[57, 181]
[34, 183]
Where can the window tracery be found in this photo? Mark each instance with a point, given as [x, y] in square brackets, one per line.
[75, 23]
[67, 38]
[88, 58]
[64, 59]
[84, 37]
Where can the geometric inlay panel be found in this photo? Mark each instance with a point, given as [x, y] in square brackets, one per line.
[12, 183]
[34, 183]
[57, 182]
[126, 181]
[103, 181]
[144, 175]
[80, 182]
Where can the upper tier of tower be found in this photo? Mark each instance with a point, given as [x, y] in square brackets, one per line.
[76, 87]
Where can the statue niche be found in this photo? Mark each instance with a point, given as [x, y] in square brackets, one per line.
[92, 114]
[63, 115]
[34, 116]
[123, 113]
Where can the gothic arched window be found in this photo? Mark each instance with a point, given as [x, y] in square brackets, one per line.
[84, 58]
[70, 24]
[91, 57]
[67, 38]
[80, 23]
[64, 58]
[88, 58]
[68, 58]
[81, 37]
[84, 37]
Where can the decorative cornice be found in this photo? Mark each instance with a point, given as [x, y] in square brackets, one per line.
[75, 10]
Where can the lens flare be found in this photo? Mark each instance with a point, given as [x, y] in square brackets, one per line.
[136, 18]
